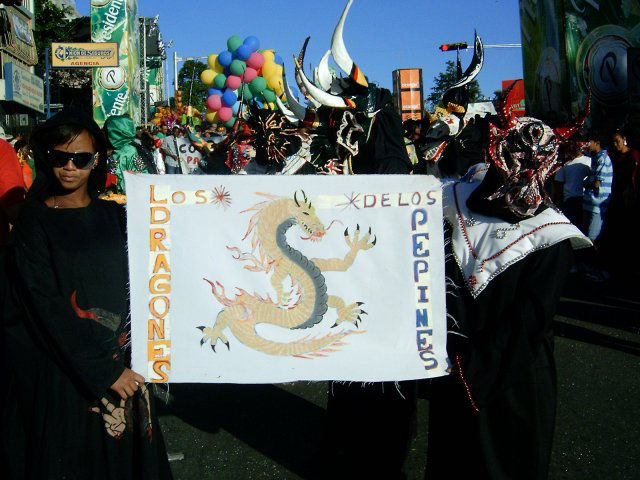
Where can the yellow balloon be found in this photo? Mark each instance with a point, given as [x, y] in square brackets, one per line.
[269, 56]
[280, 90]
[275, 82]
[212, 61]
[212, 117]
[279, 70]
[269, 69]
[207, 76]
[217, 67]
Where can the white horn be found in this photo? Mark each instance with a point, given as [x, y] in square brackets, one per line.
[320, 95]
[323, 74]
[474, 68]
[301, 56]
[294, 107]
[286, 112]
[340, 53]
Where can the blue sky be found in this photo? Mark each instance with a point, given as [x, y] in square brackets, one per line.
[381, 35]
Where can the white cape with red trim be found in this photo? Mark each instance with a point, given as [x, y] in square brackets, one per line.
[484, 247]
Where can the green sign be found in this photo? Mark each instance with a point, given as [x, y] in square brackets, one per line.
[154, 80]
[115, 88]
[571, 47]
[598, 34]
[545, 75]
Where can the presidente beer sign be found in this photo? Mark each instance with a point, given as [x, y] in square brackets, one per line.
[84, 55]
[115, 88]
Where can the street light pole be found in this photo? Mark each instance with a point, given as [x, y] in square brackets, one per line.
[144, 72]
[47, 80]
[465, 46]
[175, 73]
[177, 59]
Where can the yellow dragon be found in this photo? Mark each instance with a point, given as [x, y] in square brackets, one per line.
[269, 225]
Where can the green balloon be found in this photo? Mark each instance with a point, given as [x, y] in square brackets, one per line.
[269, 95]
[258, 85]
[246, 91]
[233, 42]
[230, 123]
[220, 81]
[238, 67]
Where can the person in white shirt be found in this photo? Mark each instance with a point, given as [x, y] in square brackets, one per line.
[571, 177]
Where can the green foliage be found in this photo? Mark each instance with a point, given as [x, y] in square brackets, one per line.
[443, 81]
[191, 69]
[51, 25]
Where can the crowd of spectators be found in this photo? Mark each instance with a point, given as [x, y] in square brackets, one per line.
[597, 190]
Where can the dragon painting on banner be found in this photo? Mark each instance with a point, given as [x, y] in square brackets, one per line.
[318, 279]
[269, 226]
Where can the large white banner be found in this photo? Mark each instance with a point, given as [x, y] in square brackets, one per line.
[265, 279]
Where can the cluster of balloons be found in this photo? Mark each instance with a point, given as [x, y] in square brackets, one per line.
[241, 71]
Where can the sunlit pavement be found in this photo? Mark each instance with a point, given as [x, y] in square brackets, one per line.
[276, 432]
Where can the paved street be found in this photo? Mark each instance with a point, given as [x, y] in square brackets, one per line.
[276, 432]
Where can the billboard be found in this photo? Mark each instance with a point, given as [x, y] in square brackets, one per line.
[515, 100]
[155, 81]
[544, 62]
[83, 55]
[23, 87]
[115, 89]
[407, 89]
[571, 47]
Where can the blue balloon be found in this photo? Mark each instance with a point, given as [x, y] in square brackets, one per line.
[214, 91]
[229, 98]
[258, 102]
[235, 109]
[243, 53]
[225, 58]
[252, 42]
[279, 60]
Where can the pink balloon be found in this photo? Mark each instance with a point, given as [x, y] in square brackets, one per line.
[225, 114]
[256, 60]
[214, 102]
[249, 75]
[233, 82]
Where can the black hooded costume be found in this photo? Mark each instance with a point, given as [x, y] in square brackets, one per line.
[65, 337]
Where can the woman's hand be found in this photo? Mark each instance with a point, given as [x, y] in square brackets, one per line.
[127, 384]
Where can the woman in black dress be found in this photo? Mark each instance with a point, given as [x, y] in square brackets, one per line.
[73, 408]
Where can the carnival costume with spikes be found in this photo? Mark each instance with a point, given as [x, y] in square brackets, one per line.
[509, 253]
[350, 125]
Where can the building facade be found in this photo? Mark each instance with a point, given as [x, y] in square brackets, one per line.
[21, 91]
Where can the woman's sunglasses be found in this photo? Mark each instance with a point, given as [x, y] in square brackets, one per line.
[81, 160]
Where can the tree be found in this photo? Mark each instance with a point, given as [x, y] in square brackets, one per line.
[52, 25]
[191, 69]
[444, 80]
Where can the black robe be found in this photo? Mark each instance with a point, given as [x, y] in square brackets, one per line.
[494, 418]
[65, 335]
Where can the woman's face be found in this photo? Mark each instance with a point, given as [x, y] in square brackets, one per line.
[71, 177]
[619, 143]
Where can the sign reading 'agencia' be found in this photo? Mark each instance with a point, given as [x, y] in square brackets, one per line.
[265, 279]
